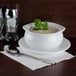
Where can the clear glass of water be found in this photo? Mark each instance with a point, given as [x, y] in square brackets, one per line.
[1, 25]
[11, 16]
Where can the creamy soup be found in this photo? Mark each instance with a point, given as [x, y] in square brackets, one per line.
[49, 31]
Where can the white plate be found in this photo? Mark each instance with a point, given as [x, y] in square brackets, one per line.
[64, 46]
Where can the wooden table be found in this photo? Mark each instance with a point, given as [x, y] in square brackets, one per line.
[9, 67]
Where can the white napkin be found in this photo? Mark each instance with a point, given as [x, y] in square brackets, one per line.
[33, 63]
[28, 62]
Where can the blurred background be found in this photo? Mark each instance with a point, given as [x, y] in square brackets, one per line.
[59, 11]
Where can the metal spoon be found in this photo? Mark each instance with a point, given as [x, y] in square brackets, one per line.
[17, 53]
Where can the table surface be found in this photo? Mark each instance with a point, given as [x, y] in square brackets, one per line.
[9, 67]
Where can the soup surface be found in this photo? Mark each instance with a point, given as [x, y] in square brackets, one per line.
[49, 31]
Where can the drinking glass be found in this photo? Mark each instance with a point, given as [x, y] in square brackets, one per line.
[11, 16]
[1, 25]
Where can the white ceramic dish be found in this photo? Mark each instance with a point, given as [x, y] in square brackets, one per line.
[64, 46]
[43, 41]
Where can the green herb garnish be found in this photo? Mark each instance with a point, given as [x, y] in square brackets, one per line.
[40, 25]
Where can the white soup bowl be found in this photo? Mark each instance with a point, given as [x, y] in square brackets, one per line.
[38, 41]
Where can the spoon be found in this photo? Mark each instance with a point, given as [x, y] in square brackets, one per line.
[18, 53]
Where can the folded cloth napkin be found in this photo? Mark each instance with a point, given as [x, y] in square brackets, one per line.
[36, 61]
[27, 61]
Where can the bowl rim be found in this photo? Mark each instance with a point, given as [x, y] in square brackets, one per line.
[56, 25]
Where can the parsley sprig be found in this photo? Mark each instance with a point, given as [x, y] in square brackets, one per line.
[40, 25]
